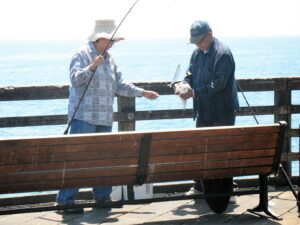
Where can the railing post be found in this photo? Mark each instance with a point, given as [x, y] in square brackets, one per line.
[283, 99]
[126, 106]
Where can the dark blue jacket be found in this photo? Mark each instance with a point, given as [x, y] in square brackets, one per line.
[211, 75]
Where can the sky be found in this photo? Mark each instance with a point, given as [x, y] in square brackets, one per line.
[74, 19]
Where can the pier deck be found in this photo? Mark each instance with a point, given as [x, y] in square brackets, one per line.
[184, 212]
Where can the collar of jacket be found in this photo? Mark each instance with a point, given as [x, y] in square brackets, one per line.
[209, 52]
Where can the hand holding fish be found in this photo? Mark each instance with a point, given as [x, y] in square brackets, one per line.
[184, 90]
[187, 95]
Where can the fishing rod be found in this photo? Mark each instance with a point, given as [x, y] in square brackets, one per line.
[93, 73]
[280, 165]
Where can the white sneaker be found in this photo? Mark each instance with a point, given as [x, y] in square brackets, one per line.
[192, 191]
[232, 199]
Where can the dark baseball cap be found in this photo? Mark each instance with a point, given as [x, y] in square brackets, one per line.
[198, 30]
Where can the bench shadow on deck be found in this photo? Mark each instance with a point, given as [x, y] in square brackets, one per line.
[184, 212]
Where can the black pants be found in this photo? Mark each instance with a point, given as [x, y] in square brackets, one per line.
[226, 121]
[216, 186]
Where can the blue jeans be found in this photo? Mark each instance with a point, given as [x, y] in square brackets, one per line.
[67, 196]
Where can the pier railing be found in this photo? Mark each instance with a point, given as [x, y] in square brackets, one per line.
[284, 91]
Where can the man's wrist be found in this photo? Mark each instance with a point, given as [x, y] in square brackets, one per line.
[92, 68]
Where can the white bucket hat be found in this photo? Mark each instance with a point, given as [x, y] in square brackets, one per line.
[104, 29]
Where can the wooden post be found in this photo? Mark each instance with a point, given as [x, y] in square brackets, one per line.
[126, 106]
[283, 99]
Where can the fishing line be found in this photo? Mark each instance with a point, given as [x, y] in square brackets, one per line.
[93, 73]
[248, 104]
[149, 111]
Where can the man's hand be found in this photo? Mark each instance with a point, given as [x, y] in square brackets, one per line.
[98, 60]
[184, 90]
[187, 95]
[150, 94]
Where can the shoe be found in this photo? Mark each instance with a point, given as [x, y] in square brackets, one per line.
[232, 199]
[104, 200]
[235, 185]
[70, 210]
[193, 191]
[101, 202]
[73, 211]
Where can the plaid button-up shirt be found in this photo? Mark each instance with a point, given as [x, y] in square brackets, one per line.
[97, 105]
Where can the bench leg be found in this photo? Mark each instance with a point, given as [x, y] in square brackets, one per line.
[263, 205]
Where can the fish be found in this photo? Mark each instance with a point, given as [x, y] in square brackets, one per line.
[182, 88]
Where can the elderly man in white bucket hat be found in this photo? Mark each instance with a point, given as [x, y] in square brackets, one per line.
[95, 112]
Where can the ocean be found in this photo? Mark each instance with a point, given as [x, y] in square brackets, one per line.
[29, 63]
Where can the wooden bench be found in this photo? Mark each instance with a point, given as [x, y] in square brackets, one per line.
[33, 164]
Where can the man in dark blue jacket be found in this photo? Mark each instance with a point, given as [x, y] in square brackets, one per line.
[211, 76]
[213, 88]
